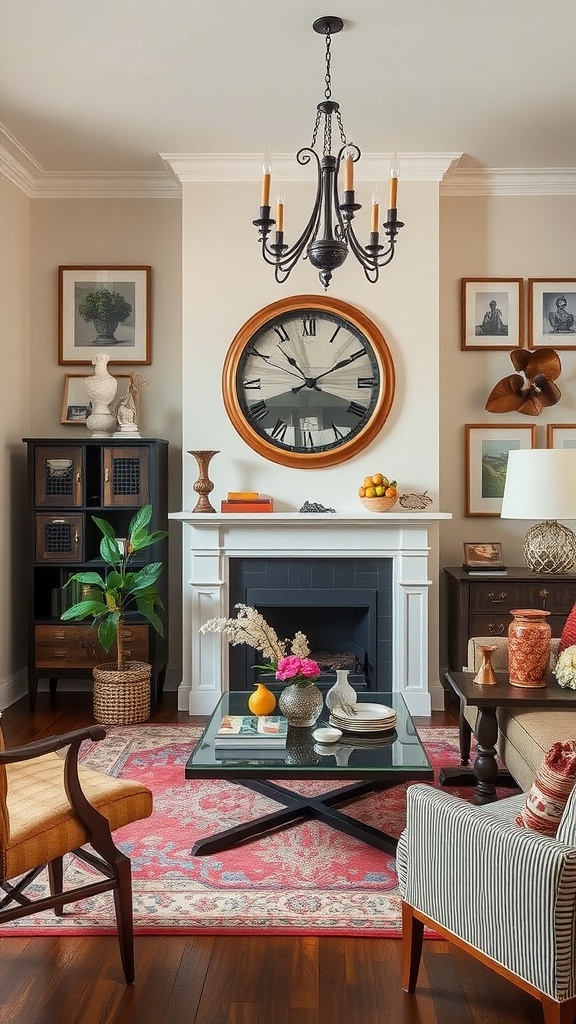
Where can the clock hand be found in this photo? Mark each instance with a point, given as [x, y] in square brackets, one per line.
[343, 362]
[310, 382]
[276, 366]
[292, 361]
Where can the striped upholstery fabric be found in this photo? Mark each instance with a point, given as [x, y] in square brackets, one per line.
[509, 892]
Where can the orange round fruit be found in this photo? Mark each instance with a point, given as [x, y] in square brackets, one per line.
[391, 492]
[361, 492]
[370, 492]
[367, 481]
[377, 479]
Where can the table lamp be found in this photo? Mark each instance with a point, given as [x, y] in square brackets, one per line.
[541, 484]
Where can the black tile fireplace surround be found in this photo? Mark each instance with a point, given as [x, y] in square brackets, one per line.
[341, 604]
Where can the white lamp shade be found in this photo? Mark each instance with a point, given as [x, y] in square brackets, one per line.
[540, 484]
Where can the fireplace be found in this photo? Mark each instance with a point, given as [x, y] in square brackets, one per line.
[343, 605]
[212, 542]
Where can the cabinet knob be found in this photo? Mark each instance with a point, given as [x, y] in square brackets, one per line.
[78, 476]
[497, 598]
[496, 630]
[126, 632]
[59, 652]
[59, 634]
[107, 475]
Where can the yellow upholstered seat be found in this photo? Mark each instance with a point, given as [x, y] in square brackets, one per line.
[50, 806]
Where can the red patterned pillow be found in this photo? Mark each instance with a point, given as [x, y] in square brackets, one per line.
[550, 790]
[568, 635]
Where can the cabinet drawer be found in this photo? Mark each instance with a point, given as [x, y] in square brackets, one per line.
[492, 624]
[501, 594]
[77, 646]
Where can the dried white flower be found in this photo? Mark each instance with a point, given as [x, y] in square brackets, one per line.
[565, 668]
[250, 627]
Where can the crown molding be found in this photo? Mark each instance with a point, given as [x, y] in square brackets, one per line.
[146, 185]
[510, 181]
[198, 168]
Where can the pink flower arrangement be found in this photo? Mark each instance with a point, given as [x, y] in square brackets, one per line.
[301, 671]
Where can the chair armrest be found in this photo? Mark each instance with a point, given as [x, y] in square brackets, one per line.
[51, 744]
[506, 890]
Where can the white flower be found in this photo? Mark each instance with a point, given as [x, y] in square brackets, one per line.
[565, 668]
[250, 627]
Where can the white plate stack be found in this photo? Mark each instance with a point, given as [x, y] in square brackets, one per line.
[367, 718]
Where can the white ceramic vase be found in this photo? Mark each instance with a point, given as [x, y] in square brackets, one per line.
[101, 390]
[341, 693]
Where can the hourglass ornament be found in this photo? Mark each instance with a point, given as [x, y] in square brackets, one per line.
[203, 485]
[485, 675]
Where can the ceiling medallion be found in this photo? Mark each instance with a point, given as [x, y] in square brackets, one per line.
[329, 235]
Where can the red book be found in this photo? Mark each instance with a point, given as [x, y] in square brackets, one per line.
[262, 505]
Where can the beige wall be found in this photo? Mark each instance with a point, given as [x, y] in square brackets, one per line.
[14, 424]
[113, 232]
[505, 236]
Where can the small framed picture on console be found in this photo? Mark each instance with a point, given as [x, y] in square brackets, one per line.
[483, 556]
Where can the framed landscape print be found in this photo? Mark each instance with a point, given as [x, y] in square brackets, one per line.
[552, 313]
[483, 554]
[492, 312]
[487, 448]
[104, 309]
[75, 404]
[561, 435]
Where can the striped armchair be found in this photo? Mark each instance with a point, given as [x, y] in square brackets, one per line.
[505, 894]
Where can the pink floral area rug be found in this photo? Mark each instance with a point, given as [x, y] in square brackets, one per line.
[305, 879]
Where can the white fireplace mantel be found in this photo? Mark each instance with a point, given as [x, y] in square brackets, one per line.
[212, 539]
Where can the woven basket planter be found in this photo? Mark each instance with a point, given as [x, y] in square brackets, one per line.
[122, 697]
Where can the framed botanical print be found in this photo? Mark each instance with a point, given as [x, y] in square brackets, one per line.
[561, 435]
[552, 312]
[486, 457]
[492, 313]
[104, 309]
[75, 402]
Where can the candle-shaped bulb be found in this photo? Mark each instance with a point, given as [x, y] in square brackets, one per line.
[394, 175]
[375, 209]
[348, 171]
[266, 175]
[280, 197]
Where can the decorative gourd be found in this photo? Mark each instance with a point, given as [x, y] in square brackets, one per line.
[262, 701]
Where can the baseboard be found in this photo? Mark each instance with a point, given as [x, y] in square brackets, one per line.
[13, 688]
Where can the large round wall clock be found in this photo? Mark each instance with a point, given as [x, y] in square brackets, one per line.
[308, 381]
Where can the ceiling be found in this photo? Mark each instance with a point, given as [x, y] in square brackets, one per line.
[106, 87]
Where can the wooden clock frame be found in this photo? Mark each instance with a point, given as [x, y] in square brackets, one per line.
[348, 448]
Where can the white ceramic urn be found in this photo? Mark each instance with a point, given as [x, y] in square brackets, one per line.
[101, 390]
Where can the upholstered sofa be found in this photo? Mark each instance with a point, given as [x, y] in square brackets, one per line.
[524, 735]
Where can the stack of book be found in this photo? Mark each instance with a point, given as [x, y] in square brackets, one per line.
[246, 501]
[250, 737]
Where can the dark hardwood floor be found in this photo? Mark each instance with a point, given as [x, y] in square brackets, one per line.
[235, 980]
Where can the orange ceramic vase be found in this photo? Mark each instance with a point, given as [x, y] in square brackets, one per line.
[262, 701]
[528, 647]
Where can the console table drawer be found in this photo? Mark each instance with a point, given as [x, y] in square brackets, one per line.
[504, 595]
[77, 646]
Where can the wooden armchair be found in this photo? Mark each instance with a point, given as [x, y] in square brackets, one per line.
[504, 894]
[50, 806]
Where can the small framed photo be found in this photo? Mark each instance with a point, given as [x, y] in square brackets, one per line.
[486, 457]
[492, 313]
[561, 435]
[75, 405]
[104, 309]
[483, 555]
[552, 313]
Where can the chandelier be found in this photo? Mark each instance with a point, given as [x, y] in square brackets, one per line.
[329, 235]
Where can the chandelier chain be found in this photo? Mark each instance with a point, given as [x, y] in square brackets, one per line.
[327, 76]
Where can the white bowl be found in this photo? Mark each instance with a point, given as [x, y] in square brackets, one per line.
[327, 735]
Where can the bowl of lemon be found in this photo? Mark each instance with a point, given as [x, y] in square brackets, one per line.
[377, 493]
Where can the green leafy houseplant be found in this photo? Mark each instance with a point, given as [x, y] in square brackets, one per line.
[122, 589]
[104, 303]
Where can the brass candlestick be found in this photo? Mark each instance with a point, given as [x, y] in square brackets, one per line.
[203, 485]
[485, 675]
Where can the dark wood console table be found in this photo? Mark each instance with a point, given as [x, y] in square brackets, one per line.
[480, 605]
[487, 699]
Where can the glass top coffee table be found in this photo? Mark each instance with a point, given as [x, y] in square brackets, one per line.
[371, 762]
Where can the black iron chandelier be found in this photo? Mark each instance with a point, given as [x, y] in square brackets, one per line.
[329, 235]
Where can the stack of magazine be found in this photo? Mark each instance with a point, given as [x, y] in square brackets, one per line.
[251, 737]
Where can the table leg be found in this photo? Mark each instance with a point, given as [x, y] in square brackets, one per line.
[485, 765]
[465, 734]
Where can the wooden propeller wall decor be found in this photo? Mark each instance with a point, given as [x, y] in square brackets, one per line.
[532, 387]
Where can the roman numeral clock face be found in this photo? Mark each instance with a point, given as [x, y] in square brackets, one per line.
[308, 381]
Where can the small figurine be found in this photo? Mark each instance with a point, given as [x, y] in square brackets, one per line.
[127, 409]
